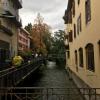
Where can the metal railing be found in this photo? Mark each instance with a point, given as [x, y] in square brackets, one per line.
[12, 76]
[41, 93]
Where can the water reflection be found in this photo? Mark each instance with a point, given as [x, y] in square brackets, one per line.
[51, 65]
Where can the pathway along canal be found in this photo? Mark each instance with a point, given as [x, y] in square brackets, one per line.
[49, 76]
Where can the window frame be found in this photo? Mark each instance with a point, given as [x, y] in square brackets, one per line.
[74, 30]
[76, 59]
[99, 47]
[73, 8]
[87, 11]
[79, 24]
[78, 1]
[81, 60]
[90, 61]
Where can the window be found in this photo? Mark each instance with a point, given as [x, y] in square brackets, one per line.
[99, 47]
[79, 26]
[90, 57]
[78, 2]
[71, 36]
[81, 57]
[4, 55]
[74, 8]
[76, 60]
[74, 30]
[68, 54]
[70, 17]
[87, 11]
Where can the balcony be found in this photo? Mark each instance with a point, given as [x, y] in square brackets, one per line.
[6, 29]
[8, 11]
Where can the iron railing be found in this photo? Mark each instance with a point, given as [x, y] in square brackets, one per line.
[13, 76]
[40, 93]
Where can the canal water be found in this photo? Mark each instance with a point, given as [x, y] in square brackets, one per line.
[52, 76]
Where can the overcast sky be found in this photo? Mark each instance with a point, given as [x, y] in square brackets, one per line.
[51, 10]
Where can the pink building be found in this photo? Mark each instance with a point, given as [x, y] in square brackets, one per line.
[23, 40]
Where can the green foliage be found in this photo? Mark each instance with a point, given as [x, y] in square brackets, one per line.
[25, 54]
[58, 48]
[40, 33]
[58, 43]
[29, 28]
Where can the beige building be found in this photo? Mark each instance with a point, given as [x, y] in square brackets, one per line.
[9, 24]
[82, 20]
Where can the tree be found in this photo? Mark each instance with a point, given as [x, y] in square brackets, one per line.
[58, 42]
[58, 47]
[41, 35]
[29, 28]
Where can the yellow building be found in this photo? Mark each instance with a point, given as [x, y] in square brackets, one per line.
[82, 20]
[9, 24]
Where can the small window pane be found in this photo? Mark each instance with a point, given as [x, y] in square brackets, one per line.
[90, 57]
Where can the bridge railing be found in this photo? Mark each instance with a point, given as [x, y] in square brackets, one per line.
[12, 76]
[41, 93]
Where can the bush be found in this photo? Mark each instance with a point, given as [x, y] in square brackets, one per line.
[17, 61]
[26, 54]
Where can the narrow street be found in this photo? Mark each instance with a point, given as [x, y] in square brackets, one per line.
[52, 76]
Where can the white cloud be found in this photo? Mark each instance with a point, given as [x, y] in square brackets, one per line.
[51, 10]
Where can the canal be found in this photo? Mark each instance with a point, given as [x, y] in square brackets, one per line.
[52, 76]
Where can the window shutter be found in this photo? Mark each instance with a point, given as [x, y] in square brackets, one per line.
[70, 36]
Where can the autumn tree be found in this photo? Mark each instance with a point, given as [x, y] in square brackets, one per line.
[41, 35]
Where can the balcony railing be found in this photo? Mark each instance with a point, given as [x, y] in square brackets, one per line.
[41, 93]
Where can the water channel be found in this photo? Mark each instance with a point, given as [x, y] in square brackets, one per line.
[51, 76]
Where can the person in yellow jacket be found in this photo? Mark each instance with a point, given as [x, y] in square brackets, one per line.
[17, 61]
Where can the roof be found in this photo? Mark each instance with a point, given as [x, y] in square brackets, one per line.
[24, 30]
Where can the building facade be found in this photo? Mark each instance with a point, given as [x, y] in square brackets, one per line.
[23, 40]
[82, 21]
[9, 24]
